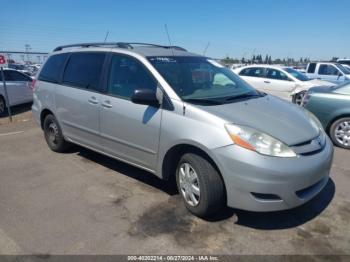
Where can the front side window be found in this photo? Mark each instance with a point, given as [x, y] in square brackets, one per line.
[276, 74]
[126, 74]
[198, 79]
[328, 70]
[53, 68]
[84, 70]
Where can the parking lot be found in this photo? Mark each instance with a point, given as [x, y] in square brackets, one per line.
[84, 203]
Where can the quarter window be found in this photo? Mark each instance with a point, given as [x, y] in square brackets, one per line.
[84, 70]
[53, 68]
[126, 75]
[328, 70]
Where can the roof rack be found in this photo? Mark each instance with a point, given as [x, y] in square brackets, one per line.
[117, 44]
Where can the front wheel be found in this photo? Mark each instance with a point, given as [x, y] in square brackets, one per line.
[200, 185]
[340, 132]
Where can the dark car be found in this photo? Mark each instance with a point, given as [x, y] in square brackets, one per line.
[332, 107]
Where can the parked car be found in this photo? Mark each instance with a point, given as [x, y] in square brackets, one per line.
[183, 116]
[18, 89]
[344, 61]
[284, 82]
[332, 107]
[332, 72]
[20, 68]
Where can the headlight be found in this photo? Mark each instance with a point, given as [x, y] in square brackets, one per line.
[314, 121]
[257, 141]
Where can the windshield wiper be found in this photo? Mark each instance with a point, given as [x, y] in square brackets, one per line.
[244, 96]
[203, 101]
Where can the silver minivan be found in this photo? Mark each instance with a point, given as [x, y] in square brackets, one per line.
[184, 118]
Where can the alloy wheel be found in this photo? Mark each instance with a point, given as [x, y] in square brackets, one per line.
[189, 184]
[342, 133]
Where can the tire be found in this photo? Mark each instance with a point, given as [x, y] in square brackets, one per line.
[211, 195]
[298, 98]
[3, 108]
[340, 132]
[53, 135]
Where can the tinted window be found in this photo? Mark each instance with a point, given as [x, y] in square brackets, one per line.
[296, 74]
[253, 71]
[84, 70]
[126, 75]
[52, 68]
[328, 70]
[311, 68]
[276, 74]
[16, 76]
[7, 76]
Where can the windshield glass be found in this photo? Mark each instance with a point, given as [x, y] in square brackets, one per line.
[201, 79]
[296, 74]
[343, 69]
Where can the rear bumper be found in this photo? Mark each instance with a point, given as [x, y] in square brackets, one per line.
[261, 183]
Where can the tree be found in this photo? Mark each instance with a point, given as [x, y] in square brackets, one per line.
[269, 60]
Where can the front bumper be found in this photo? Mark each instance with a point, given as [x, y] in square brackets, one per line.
[261, 183]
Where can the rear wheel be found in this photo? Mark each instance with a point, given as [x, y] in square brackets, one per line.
[200, 185]
[340, 132]
[53, 135]
[2, 106]
[298, 98]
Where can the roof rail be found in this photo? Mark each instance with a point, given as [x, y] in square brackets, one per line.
[117, 44]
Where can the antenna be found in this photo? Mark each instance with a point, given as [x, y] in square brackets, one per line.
[107, 33]
[167, 32]
[206, 48]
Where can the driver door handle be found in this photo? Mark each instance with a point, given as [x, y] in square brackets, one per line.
[93, 100]
[107, 104]
[267, 82]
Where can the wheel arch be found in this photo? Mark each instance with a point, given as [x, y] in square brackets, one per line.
[173, 155]
[335, 118]
[43, 114]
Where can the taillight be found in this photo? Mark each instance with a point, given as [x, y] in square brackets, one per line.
[33, 84]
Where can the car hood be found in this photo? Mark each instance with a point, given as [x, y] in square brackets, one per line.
[316, 82]
[271, 115]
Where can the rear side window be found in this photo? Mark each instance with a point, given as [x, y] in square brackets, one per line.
[16, 76]
[311, 68]
[253, 71]
[53, 68]
[328, 70]
[84, 70]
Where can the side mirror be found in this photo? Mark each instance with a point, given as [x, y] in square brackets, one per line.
[145, 97]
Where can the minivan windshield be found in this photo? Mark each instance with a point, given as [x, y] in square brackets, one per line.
[296, 74]
[201, 80]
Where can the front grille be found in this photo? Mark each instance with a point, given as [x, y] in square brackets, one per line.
[310, 147]
[270, 197]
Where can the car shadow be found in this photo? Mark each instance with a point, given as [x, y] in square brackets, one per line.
[127, 170]
[19, 109]
[257, 220]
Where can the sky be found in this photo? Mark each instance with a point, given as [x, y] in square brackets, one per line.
[317, 29]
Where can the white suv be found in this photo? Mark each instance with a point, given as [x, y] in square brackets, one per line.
[284, 82]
